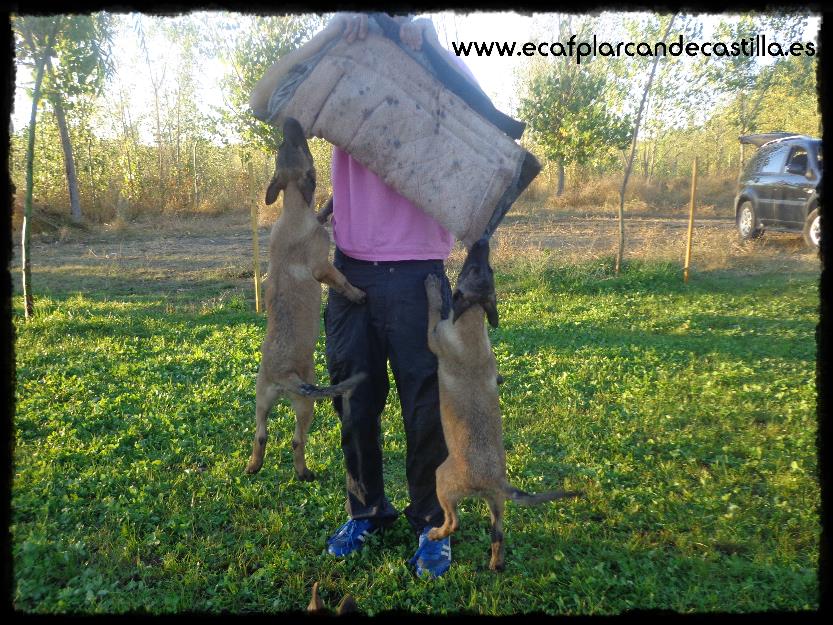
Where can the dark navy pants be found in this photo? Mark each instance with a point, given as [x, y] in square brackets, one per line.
[390, 326]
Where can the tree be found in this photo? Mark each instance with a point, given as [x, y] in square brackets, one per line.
[789, 100]
[81, 64]
[250, 45]
[742, 76]
[157, 80]
[185, 123]
[677, 92]
[40, 34]
[629, 164]
[564, 103]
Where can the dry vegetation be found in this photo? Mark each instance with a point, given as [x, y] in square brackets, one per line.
[571, 230]
[577, 228]
[599, 195]
[182, 251]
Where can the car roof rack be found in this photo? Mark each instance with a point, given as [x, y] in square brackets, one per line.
[758, 139]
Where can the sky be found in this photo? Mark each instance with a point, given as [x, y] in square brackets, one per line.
[495, 74]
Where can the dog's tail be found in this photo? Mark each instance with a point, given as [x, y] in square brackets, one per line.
[526, 499]
[320, 392]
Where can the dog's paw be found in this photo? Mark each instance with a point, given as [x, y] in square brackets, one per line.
[359, 296]
[432, 282]
[254, 466]
[432, 290]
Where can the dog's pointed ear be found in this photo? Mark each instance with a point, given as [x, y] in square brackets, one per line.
[307, 188]
[491, 311]
[347, 606]
[276, 185]
[459, 305]
[315, 603]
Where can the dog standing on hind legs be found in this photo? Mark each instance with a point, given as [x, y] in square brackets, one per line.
[469, 406]
[298, 264]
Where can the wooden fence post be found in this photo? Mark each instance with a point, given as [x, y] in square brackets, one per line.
[690, 220]
[255, 238]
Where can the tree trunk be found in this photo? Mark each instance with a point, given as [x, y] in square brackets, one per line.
[29, 305]
[629, 165]
[178, 143]
[646, 141]
[129, 139]
[196, 199]
[133, 143]
[69, 161]
[156, 83]
[178, 125]
[90, 172]
[560, 189]
[740, 164]
[162, 181]
[653, 158]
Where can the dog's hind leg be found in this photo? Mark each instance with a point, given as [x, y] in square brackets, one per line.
[304, 409]
[448, 499]
[496, 504]
[266, 394]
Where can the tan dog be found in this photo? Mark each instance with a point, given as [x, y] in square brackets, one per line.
[298, 263]
[469, 407]
[347, 605]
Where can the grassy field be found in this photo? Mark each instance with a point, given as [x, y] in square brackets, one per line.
[686, 413]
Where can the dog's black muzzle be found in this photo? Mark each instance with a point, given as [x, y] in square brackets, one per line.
[476, 284]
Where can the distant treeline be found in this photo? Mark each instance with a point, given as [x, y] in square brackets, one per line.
[580, 117]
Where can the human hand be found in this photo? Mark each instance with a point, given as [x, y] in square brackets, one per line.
[411, 33]
[355, 26]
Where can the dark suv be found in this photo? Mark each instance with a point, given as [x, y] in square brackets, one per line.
[778, 189]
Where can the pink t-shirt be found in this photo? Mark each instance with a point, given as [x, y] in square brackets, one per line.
[371, 221]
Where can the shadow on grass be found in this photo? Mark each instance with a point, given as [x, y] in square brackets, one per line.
[662, 278]
[222, 302]
[758, 339]
[105, 287]
[748, 337]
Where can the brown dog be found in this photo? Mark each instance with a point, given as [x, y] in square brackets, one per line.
[298, 263]
[347, 605]
[469, 407]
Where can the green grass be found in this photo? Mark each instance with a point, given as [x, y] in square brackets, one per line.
[686, 413]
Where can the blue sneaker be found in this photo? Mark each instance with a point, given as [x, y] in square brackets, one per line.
[432, 556]
[350, 536]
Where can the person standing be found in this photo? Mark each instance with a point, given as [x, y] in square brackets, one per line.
[386, 246]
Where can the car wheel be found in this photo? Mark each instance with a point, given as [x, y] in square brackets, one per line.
[747, 222]
[812, 229]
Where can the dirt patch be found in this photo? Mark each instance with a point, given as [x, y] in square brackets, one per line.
[173, 255]
[715, 244]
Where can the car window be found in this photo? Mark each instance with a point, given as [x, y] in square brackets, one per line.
[818, 158]
[797, 161]
[774, 159]
[766, 160]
